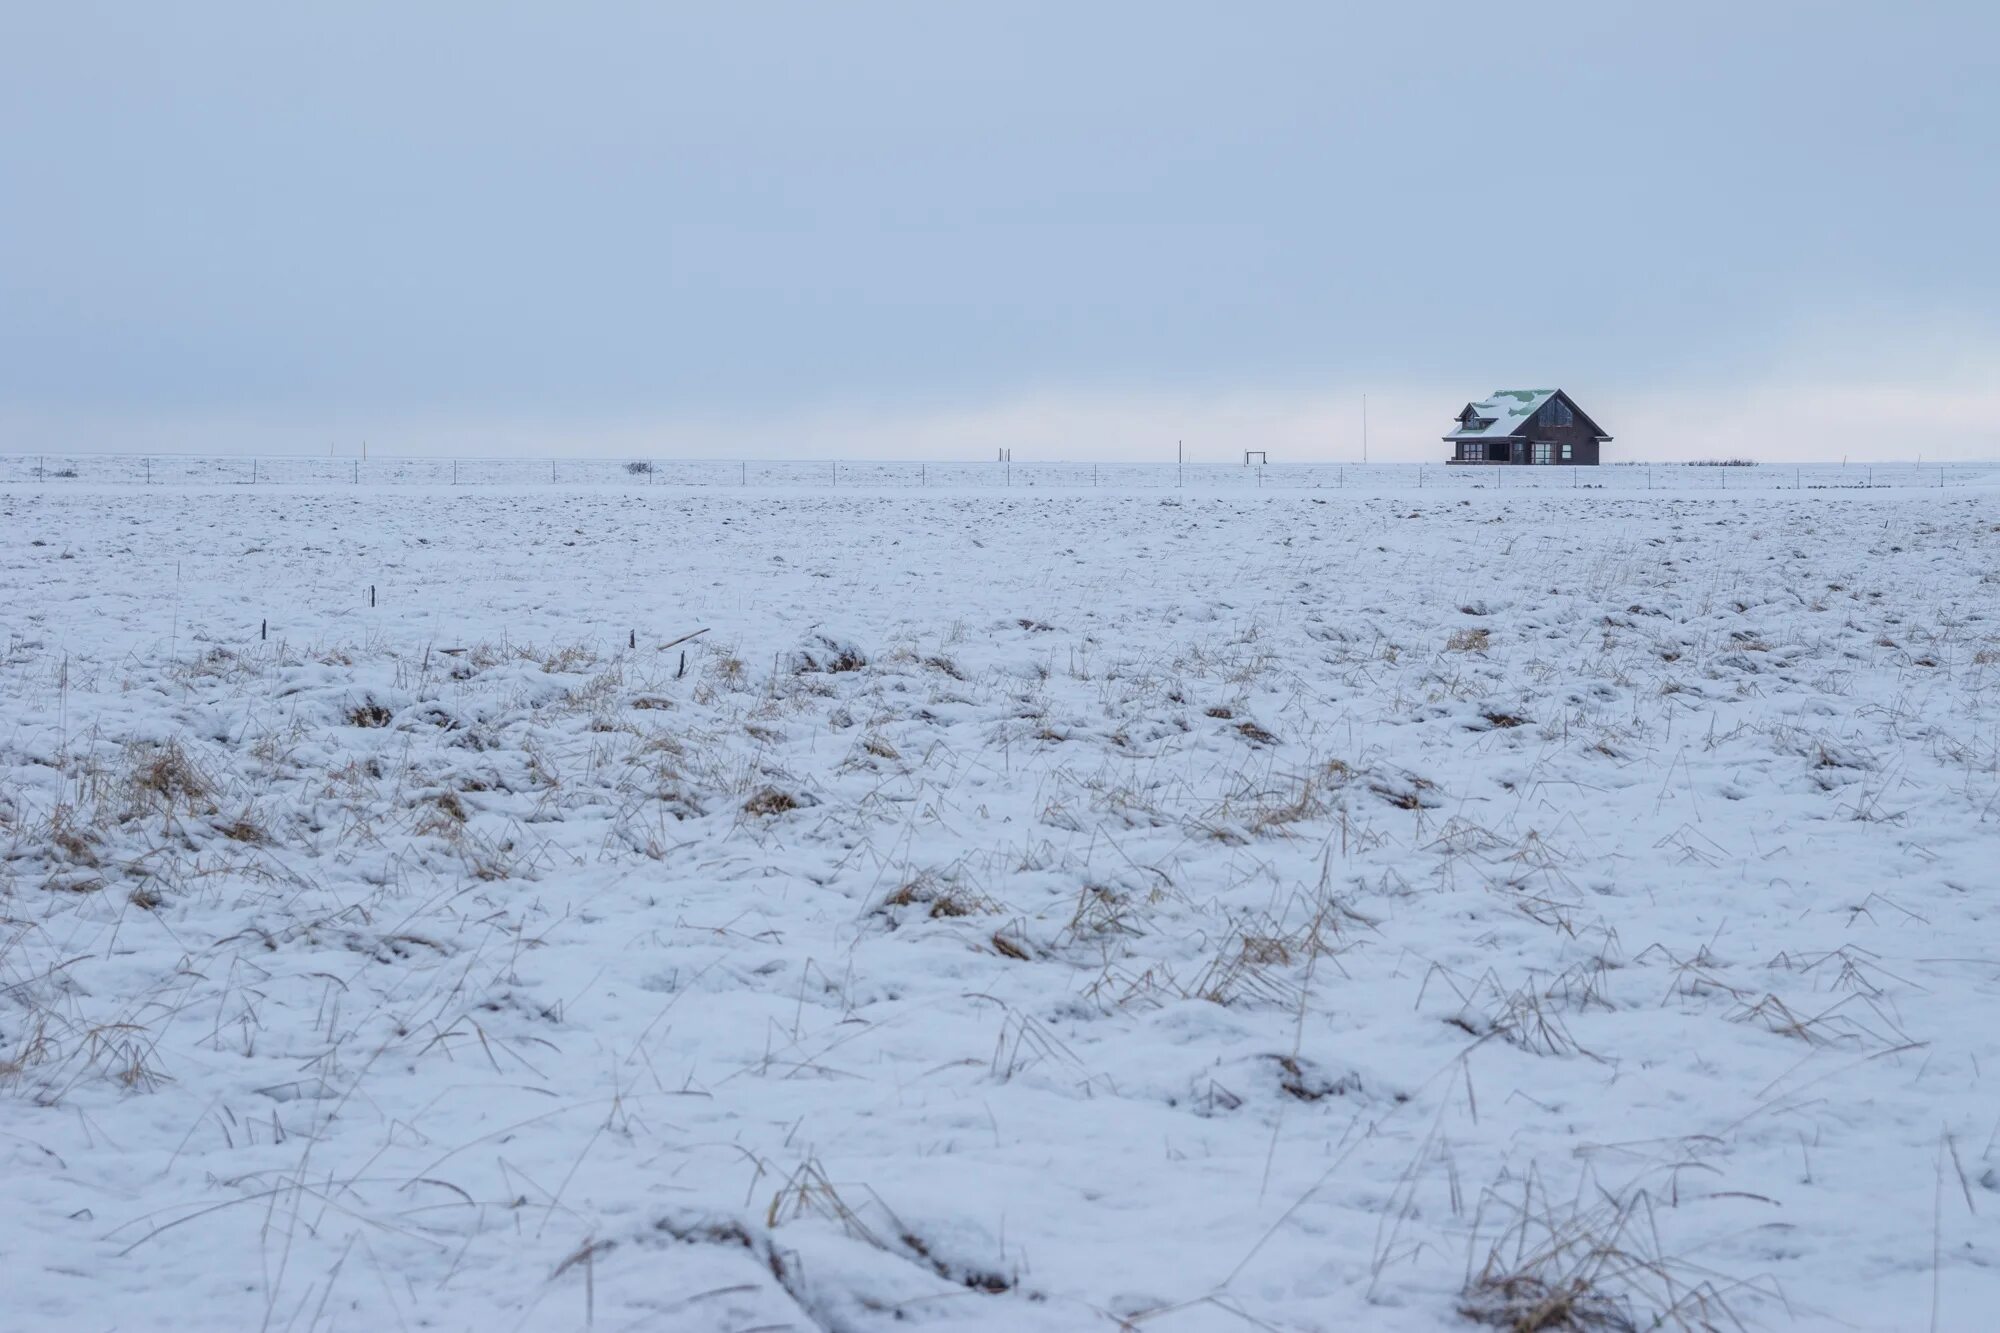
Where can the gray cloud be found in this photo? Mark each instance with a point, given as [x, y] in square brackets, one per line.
[544, 218]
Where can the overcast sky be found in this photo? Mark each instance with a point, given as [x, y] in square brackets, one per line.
[929, 228]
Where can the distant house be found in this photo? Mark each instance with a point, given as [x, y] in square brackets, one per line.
[1525, 426]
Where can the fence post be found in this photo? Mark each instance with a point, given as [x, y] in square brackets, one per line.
[454, 472]
[357, 472]
[149, 472]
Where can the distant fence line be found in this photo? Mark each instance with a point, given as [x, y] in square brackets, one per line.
[186, 470]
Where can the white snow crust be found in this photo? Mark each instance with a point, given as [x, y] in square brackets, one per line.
[1004, 912]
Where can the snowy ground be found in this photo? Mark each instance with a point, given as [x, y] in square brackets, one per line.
[1013, 912]
[67, 471]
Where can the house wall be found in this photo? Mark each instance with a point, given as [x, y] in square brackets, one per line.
[1583, 447]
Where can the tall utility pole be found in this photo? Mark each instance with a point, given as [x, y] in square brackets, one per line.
[1364, 428]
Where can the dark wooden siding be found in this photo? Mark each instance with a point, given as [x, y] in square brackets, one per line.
[1577, 435]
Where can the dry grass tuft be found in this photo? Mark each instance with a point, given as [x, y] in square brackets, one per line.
[1008, 947]
[571, 659]
[243, 829]
[1524, 1303]
[1101, 912]
[76, 841]
[1306, 1082]
[369, 714]
[171, 775]
[940, 899]
[1469, 640]
[828, 655]
[770, 801]
[1563, 1266]
[1408, 797]
[166, 780]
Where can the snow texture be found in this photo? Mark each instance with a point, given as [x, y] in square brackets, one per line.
[657, 909]
[86, 471]
[1503, 413]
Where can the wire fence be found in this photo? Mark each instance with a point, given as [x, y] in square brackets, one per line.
[188, 470]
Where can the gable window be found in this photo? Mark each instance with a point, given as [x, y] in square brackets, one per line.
[1557, 413]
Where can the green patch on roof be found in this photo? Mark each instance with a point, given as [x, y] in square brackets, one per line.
[1527, 397]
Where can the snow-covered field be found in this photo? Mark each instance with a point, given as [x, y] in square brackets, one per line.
[1297, 910]
[74, 470]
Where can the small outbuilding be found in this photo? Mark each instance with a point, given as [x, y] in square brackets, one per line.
[1526, 426]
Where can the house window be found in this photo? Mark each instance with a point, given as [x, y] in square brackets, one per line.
[1567, 455]
[1557, 413]
[1544, 452]
[1472, 451]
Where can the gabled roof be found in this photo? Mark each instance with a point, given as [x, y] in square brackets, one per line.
[1506, 411]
